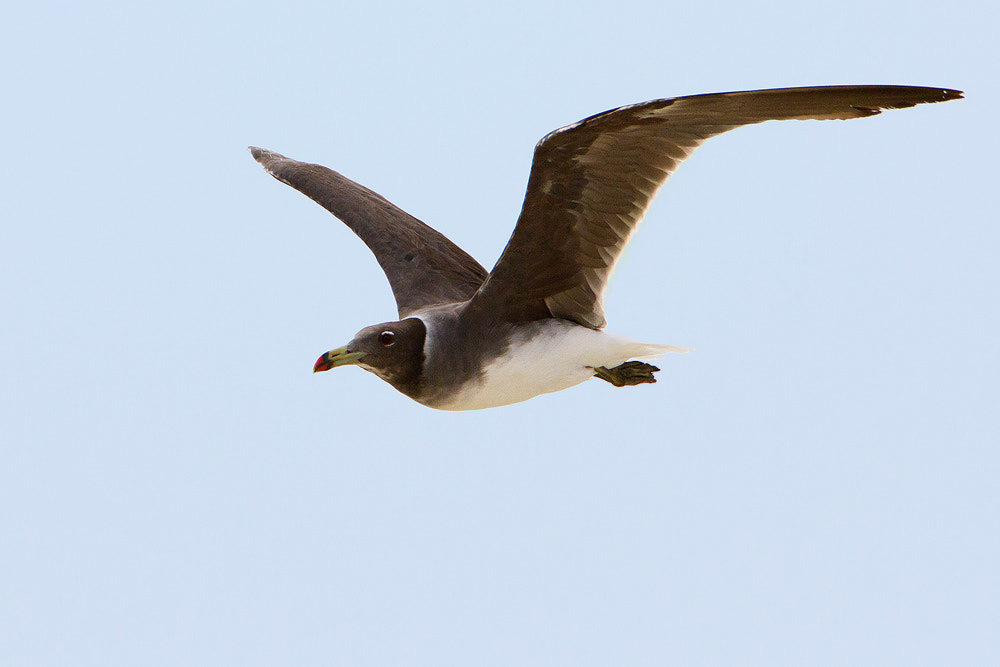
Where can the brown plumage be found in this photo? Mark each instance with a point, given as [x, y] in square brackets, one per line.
[590, 184]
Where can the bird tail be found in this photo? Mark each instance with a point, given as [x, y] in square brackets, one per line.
[649, 351]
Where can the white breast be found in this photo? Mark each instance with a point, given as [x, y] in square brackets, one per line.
[548, 356]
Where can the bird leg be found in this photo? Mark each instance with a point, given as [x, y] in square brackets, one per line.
[629, 373]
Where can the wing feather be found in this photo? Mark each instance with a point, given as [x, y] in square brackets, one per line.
[423, 266]
[591, 183]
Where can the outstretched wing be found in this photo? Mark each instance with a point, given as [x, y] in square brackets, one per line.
[424, 268]
[592, 181]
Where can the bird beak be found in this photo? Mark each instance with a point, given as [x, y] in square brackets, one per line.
[338, 357]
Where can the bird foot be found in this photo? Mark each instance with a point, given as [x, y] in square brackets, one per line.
[629, 373]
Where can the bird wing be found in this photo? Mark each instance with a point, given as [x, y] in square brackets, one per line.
[424, 268]
[592, 181]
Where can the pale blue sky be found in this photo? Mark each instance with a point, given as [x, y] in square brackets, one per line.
[815, 484]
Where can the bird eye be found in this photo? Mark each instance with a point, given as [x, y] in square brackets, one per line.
[387, 338]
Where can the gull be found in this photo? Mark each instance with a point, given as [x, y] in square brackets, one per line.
[469, 339]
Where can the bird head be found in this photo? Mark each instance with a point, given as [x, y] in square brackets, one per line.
[394, 351]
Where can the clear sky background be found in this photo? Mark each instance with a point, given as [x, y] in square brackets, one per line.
[815, 485]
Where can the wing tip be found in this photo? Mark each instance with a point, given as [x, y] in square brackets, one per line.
[263, 155]
[939, 95]
[271, 161]
[930, 96]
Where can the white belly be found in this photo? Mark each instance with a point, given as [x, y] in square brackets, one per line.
[548, 356]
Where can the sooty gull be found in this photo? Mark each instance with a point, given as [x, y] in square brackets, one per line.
[469, 339]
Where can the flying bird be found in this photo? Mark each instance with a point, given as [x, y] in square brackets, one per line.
[468, 339]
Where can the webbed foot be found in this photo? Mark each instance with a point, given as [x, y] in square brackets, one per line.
[627, 374]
